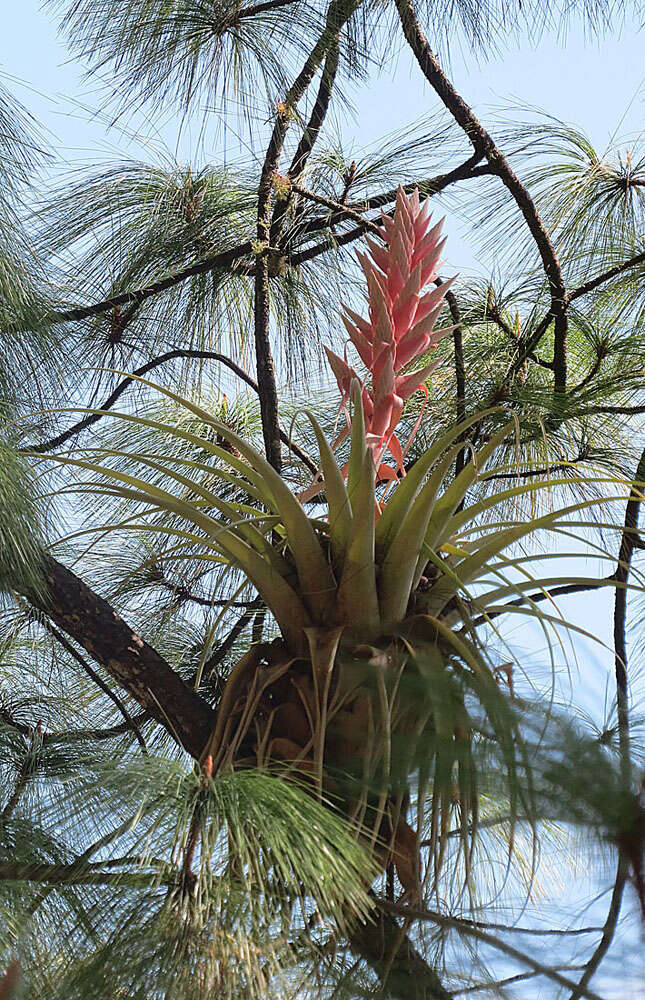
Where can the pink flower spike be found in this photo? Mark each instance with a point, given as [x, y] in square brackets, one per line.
[422, 219]
[361, 324]
[411, 346]
[404, 312]
[430, 239]
[379, 254]
[401, 321]
[429, 263]
[432, 299]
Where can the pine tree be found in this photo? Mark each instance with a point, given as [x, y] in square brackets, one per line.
[264, 732]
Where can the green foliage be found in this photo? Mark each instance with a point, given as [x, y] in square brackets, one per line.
[191, 50]
[21, 543]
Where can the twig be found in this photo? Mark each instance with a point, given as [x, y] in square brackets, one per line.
[465, 928]
[519, 978]
[498, 319]
[92, 418]
[98, 680]
[337, 206]
[613, 272]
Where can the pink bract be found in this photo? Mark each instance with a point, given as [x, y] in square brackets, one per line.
[400, 324]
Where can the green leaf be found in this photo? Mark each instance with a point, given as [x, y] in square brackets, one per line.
[357, 594]
[340, 508]
[314, 573]
[358, 448]
[402, 498]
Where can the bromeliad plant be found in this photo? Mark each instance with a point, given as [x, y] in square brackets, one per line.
[377, 688]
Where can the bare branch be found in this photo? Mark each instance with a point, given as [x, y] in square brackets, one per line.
[92, 418]
[627, 544]
[460, 370]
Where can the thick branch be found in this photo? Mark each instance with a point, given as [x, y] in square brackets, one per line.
[388, 950]
[484, 143]
[128, 659]
[470, 930]
[100, 683]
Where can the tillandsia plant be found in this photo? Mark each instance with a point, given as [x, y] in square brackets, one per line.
[377, 690]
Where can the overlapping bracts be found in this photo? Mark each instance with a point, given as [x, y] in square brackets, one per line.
[401, 322]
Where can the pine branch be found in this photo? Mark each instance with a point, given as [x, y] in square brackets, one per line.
[483, 142]
[345, 211]
[609, 930]
[434, 185]
[468, 929]
[338, 13]
[214, 262]
[601, 279]
[386, 947]
[467, 170]
[136, 667]
[226, 259]
[308, 138]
